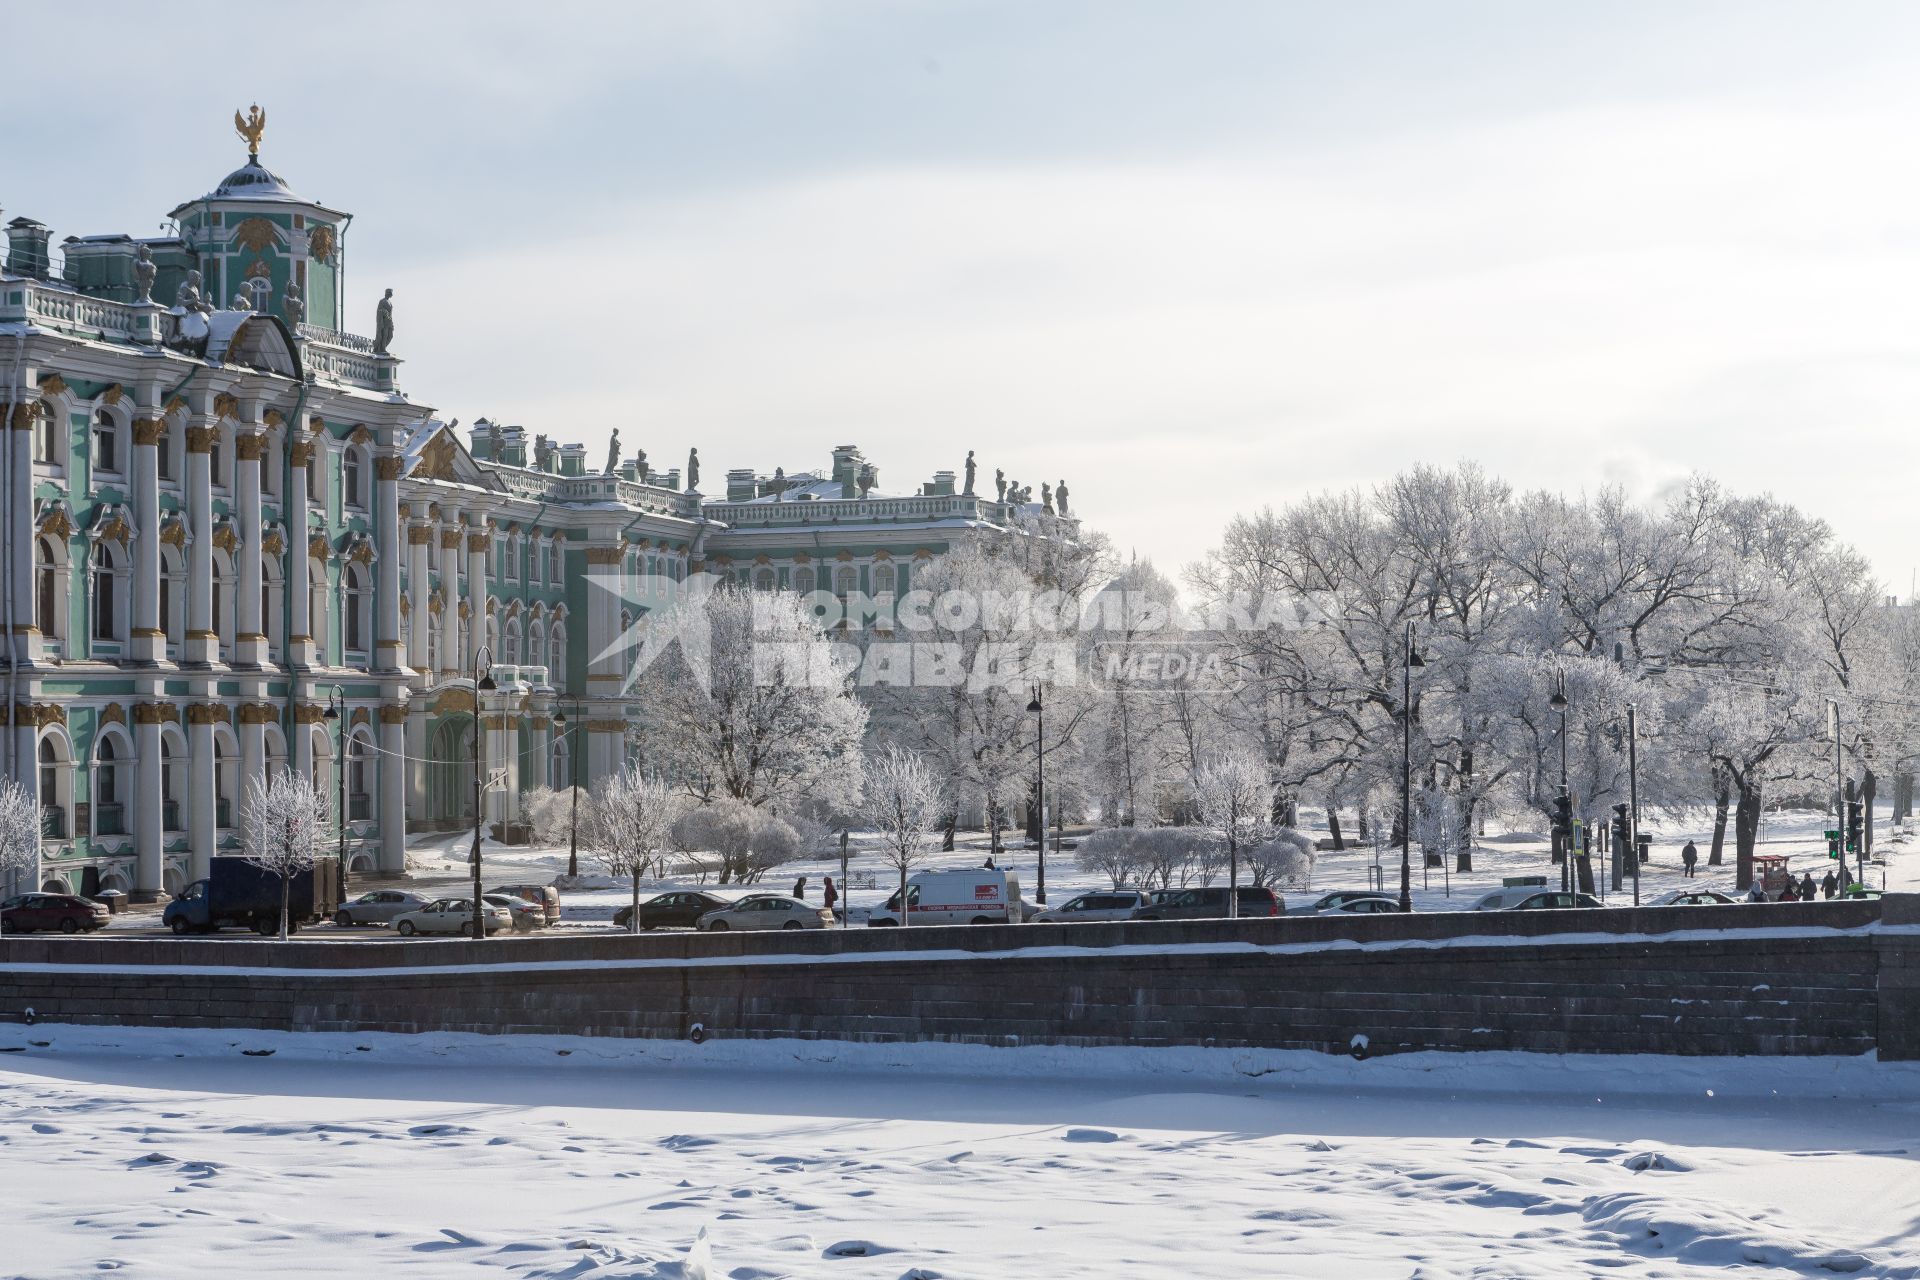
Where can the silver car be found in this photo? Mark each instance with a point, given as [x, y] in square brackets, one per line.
[1109, 904]
[377, 907]
[451, 915]
[765, 911]
[527, 916]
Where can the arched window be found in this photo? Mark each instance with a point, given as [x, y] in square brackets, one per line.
[272, 606]
[53, 788]
[163, 451]
[222, 599]
[49, 598]
[173, 784]
[109, 817]
[433, 644]
[107, 595]
[562, 764]
[803, 580]
[49, 436]
[359, 777]
[557, 655]
[106, 442]
[763, 580]
[224, 781]
[846, 581]
[510, 645]
[352, 492]
[217, 459]
[359, 606]
[553, 570]
[883, 580]
[317, 607]
[536, 645]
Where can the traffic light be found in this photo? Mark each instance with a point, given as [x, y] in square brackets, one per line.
[1833, 844]
[1855, 812]
[1622, 828]
[1563, 818]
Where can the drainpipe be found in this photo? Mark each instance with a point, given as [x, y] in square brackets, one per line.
[6, 470]
[296, 555]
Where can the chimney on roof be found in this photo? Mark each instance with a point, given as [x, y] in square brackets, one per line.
[740, 484]
[27, 248]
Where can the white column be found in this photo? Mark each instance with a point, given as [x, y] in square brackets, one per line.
[604, 676]
[148, 858]
[389, 654]
[416, 739]
[393, 789]
[419, 616]
[200, 788]
[26, 631]
[148, 641]
[479, 537]
[202, 645]
[253, 717]
[300, 744]
[450, 549]
[249, 633]
[300, 646]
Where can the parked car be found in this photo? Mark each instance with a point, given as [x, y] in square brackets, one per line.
[451, 915]
[527, 916]
[1339, 899]
[544, 895]
[1555, 900]
[1364, 907]
[1692, 898]
[238, 892]
[765, 911]
[1211, 903]
[676, 910]
[377, 907]
[975, 895]
[1505, 899]
[51, 912]
[1109, 904]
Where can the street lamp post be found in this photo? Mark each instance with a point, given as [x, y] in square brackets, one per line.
[1039, 791]
[336, 710]
[482, 683]
[1633, 796]
[1559, 703]
[1413, 660]
[573, 769]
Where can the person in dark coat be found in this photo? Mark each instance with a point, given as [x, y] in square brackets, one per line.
[1806, 887]
[990, 866]
[800, 888]
[1828, 886]
[1689, 856]
[1790, 892]
[828, 894]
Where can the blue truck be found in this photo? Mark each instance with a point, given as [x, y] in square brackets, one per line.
[236, 892]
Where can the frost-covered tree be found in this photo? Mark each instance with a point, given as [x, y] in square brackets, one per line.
[748, 704]
[748, 841]
[1286, 857]
[634, 813]
[283, 822]
[1235, 796]
[1113, 852]
[903, 801]
[19, 838]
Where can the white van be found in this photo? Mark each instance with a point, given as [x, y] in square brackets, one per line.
[976, 896]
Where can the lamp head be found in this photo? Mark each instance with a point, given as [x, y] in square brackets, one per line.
[1414, 659]
[1033, 708]
[1558, 701]
[331, 713]
[486, 684]
[559, 719]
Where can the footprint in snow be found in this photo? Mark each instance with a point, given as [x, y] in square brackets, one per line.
[1656, 1162]
[685, 1142]
[44, 1127]
[855, 1249]
[1319, 1144]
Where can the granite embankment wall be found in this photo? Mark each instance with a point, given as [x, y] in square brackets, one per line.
[1821, 978]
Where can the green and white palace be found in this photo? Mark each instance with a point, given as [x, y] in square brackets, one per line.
[225, 515]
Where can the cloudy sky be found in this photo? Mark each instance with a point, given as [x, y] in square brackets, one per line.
[1194, 257]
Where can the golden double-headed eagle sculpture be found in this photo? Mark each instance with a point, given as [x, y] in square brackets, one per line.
[250, 126]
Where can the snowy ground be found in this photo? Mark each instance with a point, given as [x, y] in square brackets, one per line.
[165, 1153]
[440, 862]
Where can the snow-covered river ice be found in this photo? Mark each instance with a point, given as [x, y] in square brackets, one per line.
[192, 1154]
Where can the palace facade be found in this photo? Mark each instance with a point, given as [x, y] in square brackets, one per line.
[224, 516]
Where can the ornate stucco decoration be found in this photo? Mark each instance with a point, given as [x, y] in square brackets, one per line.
[174, 531]
[54, 519]
[309, 713]
[53, 385]
[274, 541]
[360, 435]
[321, 243]
[259, 713]
[226, 405]
[202, 439]
[113, 713]
[256, 234]
[393, 713]
[466, 611]
[318, 547]
[209, 713]
[389, 467]
[226, 536]
[419, 535]
[273, 418]
[454, 701]
[436, 457]
[110, 524]
[111, 396]
[149, 430]
[155, 713]
[360, 549]
[359, 717]
[249, 446]
[406, 607]
[436, 605]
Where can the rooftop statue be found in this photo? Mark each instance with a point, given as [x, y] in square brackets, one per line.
[693, 470]
[866, 477]
[241, 302]
[143, 273]
[496, 443]
[613, 452]
[1060, 497]
[640, 465]
[294, 307]
[969, 486]
[1046, 496]
[542, 453]
[1000, 483]
[383, 325]
[250, 127]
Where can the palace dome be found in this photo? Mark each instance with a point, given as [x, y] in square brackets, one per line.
[254, 181]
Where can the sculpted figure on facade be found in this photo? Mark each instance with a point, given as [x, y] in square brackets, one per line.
[143, 273]
[969, 484]
[693, 470]
[294, 307]
[383, 325]
[1046, 496]
[1060, 497]
[1000, 484]
[613, 452]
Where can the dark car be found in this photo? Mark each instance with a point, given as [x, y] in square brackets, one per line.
[1556, 901]
[1211, 903]
[51, 912]
[676, 910]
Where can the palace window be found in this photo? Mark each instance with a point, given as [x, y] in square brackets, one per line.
[803, 580]
[53, 788]
[49, 445]
[352, 478]
[171, 785]
[557, 656]
[106, 442]
[106, 593]
[49, 598]
[109, 818]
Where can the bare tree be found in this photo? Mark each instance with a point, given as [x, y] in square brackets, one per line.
[903, 802]
[19, 837]
[1236, 796]
[633, 817]
[283, 822]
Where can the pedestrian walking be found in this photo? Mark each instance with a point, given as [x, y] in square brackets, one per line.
[1756, 893]
[1828, 885]
[800, 888]
[1689, 856]
[1806, 887]
[1789, 892]
[830, 895]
